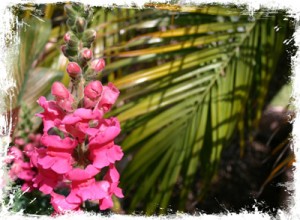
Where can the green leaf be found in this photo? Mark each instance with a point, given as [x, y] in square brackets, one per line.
[33, 37]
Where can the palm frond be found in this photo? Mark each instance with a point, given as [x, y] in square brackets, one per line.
[186, 103]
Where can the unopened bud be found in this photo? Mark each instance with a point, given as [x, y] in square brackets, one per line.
[93, 90]
[67, 51]
[98, 65]
[87, 54]
[80, 24]
[59, 90]
[71, 13]
[67, 37]
[63, 49]
[89, 36]
[73, 69]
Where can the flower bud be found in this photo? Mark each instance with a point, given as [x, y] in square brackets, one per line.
[80, 24]
[59, 90]
[98, 65]
[73, 69]
[89, 36]
[86, 54]
[67, 37]
[63, 49]
[71, 13]
[93, 90]
[68, 52]
[72, 41]
[70, 23]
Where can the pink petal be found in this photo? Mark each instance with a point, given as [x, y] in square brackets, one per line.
[93, 90]
[106, 136]
[118, 192]
[60, 204]
[109, 96]
[46, 162]
[73, 197]
[61, 166]
[114, 153]
[78, 174]
[55, 141]
[112, 174]
[100, 159]
[106, 203]
[92, 192]
[70, 119]
[60, 91]
[93, 171]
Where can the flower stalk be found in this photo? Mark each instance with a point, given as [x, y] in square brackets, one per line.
[77, 141]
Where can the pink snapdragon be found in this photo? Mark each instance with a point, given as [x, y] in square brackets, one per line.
[109, 97]
[112, 176]
[82, 122]
[63, 97]
[47, 180]
[92, 94]
[87, 141]
[78, 146]
[73, 69]
[87, 54]
[97, 65]
[19, 160]
[52, 115]
[58, 154]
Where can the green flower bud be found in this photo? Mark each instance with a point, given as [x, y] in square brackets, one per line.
[68, 52]
[71, 13]
[88, 37]
[79, 8]
[90, 74]
[70, 23]
[80, 24]
[71, 40]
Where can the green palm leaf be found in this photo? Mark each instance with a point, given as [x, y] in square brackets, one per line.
[32, 82]
[187, 102]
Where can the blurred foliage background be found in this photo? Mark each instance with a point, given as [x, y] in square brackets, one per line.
[194, 82]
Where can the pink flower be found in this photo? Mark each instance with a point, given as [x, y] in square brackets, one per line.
[112, 176]
[102, 156]
[61, 205]
[109, 96]
[28, 149]
[35, 138]
[14, 154]
[26, 173]
[92, 94]
[84, 186]
[98, 65]
[63, 97]
[52, 115]
[87, 54]
[15, 169]
[102, 149]
[73, 69]
[80, 123]
[93, 90]
[19, 141]
[22, 170]
[108, 130]
[58, 154]
[46, 180]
